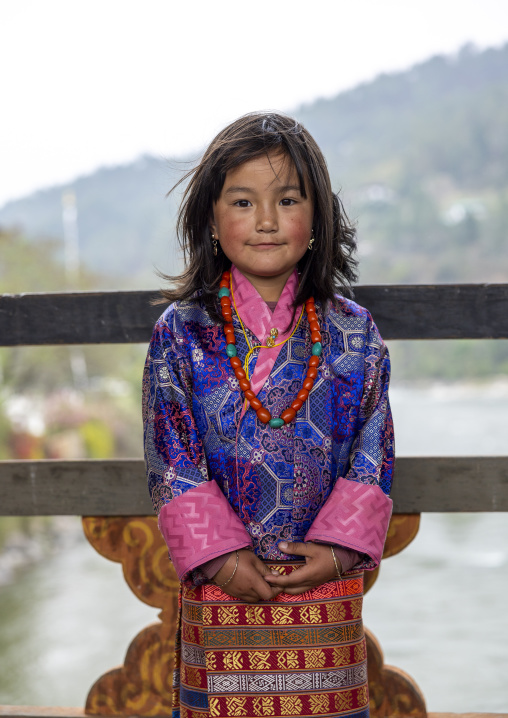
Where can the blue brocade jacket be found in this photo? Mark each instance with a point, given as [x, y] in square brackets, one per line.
[220, 480]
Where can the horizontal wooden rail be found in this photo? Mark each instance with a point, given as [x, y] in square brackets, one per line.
[118, 487]
[443, 311]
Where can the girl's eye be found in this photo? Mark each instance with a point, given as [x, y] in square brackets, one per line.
[242, 203]
[287, 202]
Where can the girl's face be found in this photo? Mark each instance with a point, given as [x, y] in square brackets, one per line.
[262, 221]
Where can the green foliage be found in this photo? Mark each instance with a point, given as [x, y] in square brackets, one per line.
[98, 438]
[126, 223]
[27, 266]
[94, 412]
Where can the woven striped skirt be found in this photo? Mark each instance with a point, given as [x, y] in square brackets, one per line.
[294, 656]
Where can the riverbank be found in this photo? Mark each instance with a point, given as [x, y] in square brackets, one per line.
[28, 540]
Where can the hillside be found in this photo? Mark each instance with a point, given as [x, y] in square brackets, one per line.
[421, 157]
[124, 220]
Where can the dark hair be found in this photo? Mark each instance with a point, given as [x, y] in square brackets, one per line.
[329, 268]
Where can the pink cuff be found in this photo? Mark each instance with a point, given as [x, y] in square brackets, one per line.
[355, 516]
[200, 525]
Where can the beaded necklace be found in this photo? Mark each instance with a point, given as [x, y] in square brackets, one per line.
[241, 372]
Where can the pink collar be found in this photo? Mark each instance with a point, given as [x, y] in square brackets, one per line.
[256, 315]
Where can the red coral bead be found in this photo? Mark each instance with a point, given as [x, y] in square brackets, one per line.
[229, 328]
[303, 395]
[312, 372]
[230, 338]
[256, 404]
[239, 373]
[263, 415]
[312, 317]
[314, 326]
[308, 384]
[244, 385]
[315, 337]
[288, 415]
[224, 283]
[314, 361]
[297, 404]
[249, 394]
[225, 275]
[235, 362]
[225, 302]
[309, 303]
[228, 316]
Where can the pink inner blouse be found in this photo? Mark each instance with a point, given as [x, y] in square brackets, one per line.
[257, 316]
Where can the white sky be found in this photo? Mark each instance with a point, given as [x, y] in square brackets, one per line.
[85, 83]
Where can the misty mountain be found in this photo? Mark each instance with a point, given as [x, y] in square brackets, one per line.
[421, 158]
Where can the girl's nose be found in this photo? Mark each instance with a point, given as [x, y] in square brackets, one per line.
[266, 220]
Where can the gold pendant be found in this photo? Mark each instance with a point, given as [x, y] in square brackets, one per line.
[270, 342]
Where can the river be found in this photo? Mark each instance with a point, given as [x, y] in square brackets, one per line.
[438, 609]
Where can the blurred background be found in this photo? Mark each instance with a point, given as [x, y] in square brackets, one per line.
[104, 106]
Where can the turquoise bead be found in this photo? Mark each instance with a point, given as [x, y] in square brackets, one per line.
[276, 423]
[317, 349]
[223, 292]
[231, 350]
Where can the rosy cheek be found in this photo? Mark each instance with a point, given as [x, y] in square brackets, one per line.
[234, 230]
[300, 230]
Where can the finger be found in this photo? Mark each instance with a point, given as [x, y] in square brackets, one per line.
[300, 587]
[247, 594]
[265, 570]
[296, 548]
[295, 578]
[276, 591]
[250, 579]
[271, 574]
[263, 589]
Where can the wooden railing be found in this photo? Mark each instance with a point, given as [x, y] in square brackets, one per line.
[117, 488]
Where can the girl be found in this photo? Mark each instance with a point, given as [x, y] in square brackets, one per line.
[268, 434]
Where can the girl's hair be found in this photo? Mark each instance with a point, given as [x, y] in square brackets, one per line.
[325, 270]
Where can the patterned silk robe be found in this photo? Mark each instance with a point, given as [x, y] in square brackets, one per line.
[221, 480]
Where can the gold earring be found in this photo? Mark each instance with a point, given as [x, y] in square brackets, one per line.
[214, 242]
[311, 241]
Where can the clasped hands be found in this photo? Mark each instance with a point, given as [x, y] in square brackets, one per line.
[253, 581]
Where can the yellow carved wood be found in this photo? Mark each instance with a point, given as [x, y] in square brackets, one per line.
[137, 544]
[401, 531]
[142, 686]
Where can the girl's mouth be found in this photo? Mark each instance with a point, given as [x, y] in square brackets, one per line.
[265, 244]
